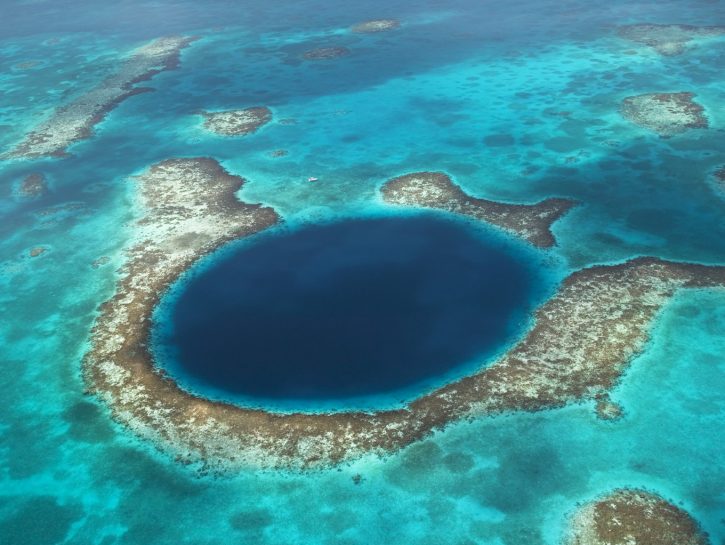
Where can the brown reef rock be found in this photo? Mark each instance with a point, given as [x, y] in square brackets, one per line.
[582, 341]
[37, 251]
[237, 122]
[376, 25]
[633, 517]
[75, 121]
[33, 185]
[606, 409]
[667, 114]
[531, 222]
[668, 40]
[325, 53]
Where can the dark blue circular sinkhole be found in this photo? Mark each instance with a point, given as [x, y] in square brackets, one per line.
[354, 308]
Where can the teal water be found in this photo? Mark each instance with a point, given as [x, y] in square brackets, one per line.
[517, 101]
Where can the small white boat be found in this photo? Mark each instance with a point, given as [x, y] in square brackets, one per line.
[312, 179]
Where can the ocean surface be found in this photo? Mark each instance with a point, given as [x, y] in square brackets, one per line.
[517, 101]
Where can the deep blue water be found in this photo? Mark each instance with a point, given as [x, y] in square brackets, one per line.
[349, 308]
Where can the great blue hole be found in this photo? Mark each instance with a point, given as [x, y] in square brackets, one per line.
[354, 308]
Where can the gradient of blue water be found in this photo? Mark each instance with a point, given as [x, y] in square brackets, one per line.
[424, 97]
[384, 306]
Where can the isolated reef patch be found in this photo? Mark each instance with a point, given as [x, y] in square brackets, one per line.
[531, 222]
[606, 409]
[582, 340]
[376, 25]
[667, 114]
[75, 121]
[237, 122]
[668, 40]
[325, 53]
[633, 517]
[33, 185]
[37, 251]
[719, 177]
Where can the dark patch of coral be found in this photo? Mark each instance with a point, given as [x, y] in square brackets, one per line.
[33, 185]
[325, 53]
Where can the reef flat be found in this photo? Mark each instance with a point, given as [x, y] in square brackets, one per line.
[667, 114]
[581, 343]
[668, 40]
[633, 517]
[237, 122]
[75, 121]
[376, 25]
[531, 222]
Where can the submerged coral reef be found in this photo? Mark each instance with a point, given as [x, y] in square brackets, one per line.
[376, 25]
[237, 122]
[667, 114]
[719, 177]
[668, 40]
[75, 120]
[633, 517]
[436, 190]
[324, 53]
[33, 185]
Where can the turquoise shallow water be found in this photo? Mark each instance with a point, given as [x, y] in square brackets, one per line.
[516, 101]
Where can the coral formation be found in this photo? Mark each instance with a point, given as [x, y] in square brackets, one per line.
[633, 517]
[719, 177]
[582, 341]
[33, 185]
[75, 120]
[237, 122]
[606, 409]
[668, 40]
[37, 251]
[667, 114]
[436, 190]
[376, 25]
[324, 53]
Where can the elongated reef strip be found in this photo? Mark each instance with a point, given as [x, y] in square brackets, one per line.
[237, 122]
[668, 40]
[633, 517]
[531, 222]
[582, 341]
[667, 114]
[75, 121]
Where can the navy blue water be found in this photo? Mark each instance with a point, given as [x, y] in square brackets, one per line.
[349, 308]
